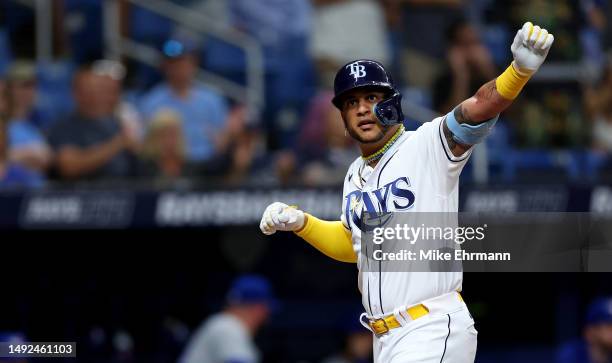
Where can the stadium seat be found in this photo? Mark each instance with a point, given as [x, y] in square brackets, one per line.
[85, 29]
[538, 163]
[54, 87]
[148, 27]
[225, 59]
[496, 38]
[5, 52]
[594, 164]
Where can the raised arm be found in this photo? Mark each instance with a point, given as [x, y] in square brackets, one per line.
[472, 120]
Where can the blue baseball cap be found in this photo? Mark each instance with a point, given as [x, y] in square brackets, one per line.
[251, 289]
[177, 47]
[600, 311]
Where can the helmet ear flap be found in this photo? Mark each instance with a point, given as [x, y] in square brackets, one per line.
[389, 111]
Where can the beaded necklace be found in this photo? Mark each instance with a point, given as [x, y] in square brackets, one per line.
[379, 154]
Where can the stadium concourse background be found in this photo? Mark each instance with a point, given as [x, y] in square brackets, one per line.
[129, 253]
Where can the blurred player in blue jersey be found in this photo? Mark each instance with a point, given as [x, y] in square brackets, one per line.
[596, 345]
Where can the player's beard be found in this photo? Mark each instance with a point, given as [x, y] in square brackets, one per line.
[355, 135]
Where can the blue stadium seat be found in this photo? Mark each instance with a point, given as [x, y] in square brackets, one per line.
[496, 38]
[289, 81]
[593, 163]
[539, 163]
[86, 35]
[288, 68]
[151, 29]
[295, 73]
[6, 55]
[54, 91]
[148, 27]
[225, 59]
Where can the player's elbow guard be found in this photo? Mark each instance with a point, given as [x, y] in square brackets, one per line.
[466, 134]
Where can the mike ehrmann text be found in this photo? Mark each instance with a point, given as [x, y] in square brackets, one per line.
[437, 255]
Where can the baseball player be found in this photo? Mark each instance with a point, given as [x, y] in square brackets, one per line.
[228, 337]
[416, 316]
[596, 343]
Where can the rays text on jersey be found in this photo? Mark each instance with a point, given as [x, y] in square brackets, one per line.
[395, 195]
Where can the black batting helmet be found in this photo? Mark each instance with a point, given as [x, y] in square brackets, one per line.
[369, 73]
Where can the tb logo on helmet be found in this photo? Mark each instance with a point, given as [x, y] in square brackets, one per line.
[357, 70]
[368, 73]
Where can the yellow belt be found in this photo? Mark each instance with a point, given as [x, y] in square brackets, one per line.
[383, 325]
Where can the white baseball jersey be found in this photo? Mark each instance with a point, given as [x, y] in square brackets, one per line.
[221, 339]
[418, 173]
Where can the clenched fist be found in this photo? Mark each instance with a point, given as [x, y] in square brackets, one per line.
[530, 48]
[281, 217]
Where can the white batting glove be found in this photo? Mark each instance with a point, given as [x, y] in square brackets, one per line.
[530, 48]
[281, 217]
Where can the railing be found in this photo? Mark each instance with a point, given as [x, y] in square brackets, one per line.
[44, 27]
[116, 45]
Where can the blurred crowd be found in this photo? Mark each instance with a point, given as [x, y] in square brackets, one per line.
[84, 118]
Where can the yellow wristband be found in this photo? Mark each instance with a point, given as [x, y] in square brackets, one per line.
[510, 83]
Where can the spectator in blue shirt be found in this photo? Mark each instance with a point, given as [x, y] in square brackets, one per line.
[14, 175]
[596, 345]
[203, 111]
[27, 145]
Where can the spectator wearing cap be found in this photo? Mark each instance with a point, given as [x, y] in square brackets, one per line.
[26, 143]
[228, 336]
[93, 144]
[203, 111]
[596, 345]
